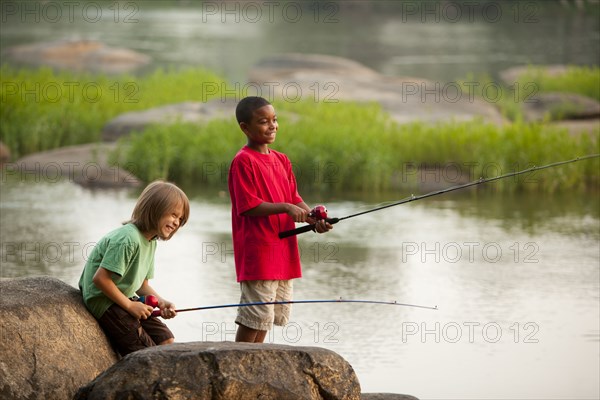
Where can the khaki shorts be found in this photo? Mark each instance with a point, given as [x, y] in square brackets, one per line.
[263, 317]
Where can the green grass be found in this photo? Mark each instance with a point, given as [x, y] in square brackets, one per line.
[336, 147]
[357, 147]
[42, 109]
[580, 80]
[577, 79]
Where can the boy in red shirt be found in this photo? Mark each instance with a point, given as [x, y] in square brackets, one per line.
[265, 201]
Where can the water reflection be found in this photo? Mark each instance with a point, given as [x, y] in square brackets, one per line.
[394, 38]
[513, 295]
[515, 276]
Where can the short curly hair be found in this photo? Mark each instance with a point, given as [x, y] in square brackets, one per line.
[247, 106]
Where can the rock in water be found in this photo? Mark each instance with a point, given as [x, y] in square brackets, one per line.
[226, 370]
[51, 345]
[4, 153]
[387, 396]
[329, 79]
[84, 164]
[560, 106]
[188, 112]
[79, 55]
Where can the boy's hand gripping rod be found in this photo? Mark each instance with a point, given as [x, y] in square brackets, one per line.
[311, 227]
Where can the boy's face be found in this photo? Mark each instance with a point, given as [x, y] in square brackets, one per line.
[170, 222]
[262, 129]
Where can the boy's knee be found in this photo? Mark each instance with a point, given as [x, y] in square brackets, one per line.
[168, 341]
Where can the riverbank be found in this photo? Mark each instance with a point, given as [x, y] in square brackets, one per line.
[363, 132]
[483, 258]
[61, 352]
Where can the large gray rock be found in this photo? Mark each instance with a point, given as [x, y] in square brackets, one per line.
[226, 371]
[79, 55]
[181, 112]
[386, 396]
[579, 126]
[86, 165]
[512, 75]
[560, 106]
[4, 153]
[321, 78]
[51, 345]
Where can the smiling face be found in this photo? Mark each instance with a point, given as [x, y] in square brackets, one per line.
[161, 210]
[170, 222]
[262, 128]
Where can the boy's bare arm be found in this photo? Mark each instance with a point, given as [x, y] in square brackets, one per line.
[297, 212]
[304, 206]
[103, 281]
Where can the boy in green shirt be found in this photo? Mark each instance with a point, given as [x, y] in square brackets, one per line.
[121, 264]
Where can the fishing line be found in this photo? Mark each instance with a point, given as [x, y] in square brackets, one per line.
[480, 181]
[264, 303]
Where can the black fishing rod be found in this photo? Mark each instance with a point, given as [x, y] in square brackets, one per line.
[311, 227]
[264, 303]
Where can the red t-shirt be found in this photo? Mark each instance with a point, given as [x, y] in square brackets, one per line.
[259, 253]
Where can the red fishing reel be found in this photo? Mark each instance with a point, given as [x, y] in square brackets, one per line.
[318, 213]
[149, 300]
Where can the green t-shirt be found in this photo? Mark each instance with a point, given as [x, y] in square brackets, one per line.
[127, 253]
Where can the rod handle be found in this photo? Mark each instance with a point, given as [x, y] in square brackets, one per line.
[305, 228]
[156, 313]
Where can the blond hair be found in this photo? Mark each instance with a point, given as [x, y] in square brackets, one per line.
[158, 198]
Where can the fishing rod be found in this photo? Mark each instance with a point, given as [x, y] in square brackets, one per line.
[311, 227]
[264, 303]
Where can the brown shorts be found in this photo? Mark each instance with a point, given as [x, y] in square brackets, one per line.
[129, 334]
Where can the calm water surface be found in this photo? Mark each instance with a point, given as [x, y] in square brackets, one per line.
[515, 278]
[434, 40]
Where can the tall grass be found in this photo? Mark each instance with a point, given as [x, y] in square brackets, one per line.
[357, 147]
[333, 146]
[582, 80]
[42, 109]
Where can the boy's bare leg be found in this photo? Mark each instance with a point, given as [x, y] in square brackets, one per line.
[168, 341]
[245, 334]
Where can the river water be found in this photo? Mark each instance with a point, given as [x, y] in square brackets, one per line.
[515, 277]
[440, 41]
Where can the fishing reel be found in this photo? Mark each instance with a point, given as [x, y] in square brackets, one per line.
[149, 300]
[318, 213]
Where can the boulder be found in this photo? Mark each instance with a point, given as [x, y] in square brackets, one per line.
[560, 106]
[577, 127]
[282, 66]
[226, 370]
[386, 396]
[512, 75]
[79, 55]
[51, 345]
[4, 153]
[182, 112]
[321, 78]
[86, 165]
